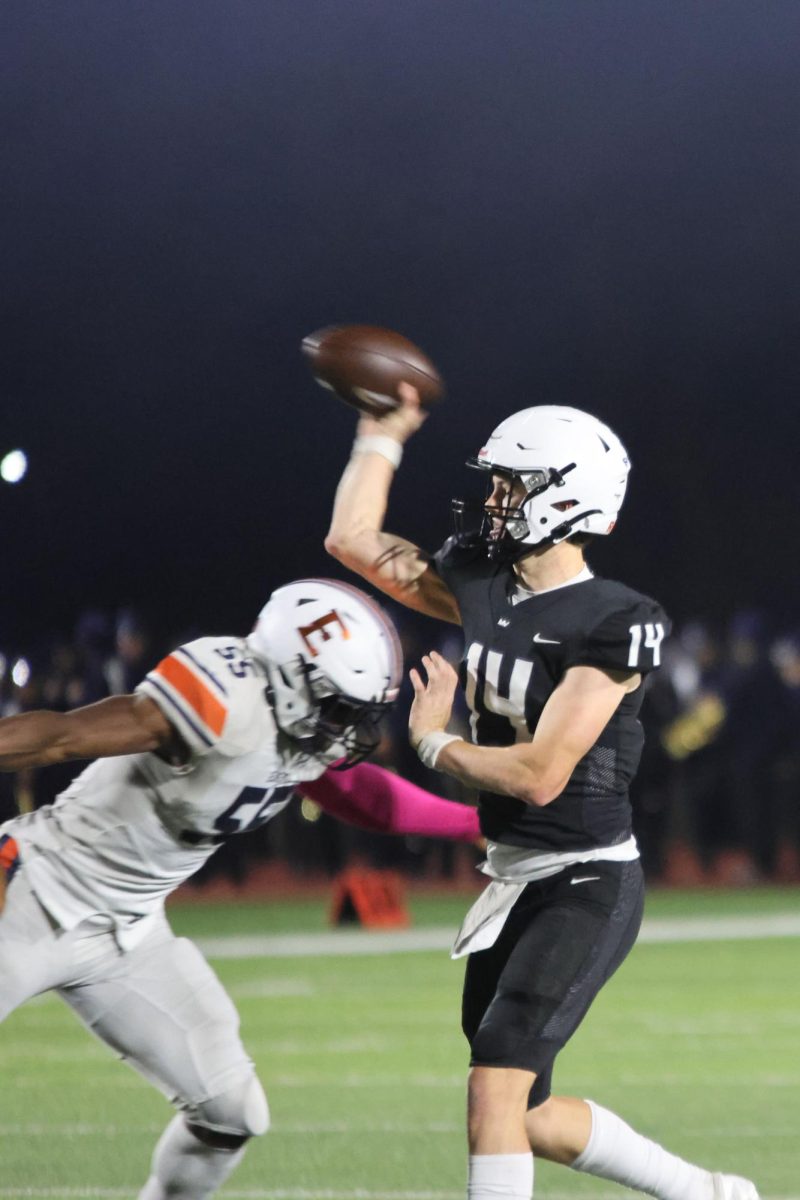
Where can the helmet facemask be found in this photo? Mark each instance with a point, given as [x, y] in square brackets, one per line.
[322, 721]
[505, 528]
[345, 727]
[353, 726]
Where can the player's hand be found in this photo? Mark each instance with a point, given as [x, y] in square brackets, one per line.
[433, 701]
[398, 423]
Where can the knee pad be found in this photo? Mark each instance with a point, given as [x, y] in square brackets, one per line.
[241, 1111]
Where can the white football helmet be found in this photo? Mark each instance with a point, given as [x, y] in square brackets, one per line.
[574, 470]
[334, 665]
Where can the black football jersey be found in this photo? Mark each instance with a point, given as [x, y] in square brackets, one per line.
[515, 655]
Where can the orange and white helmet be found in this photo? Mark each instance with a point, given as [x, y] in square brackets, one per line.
[334, 665]
[574, 470]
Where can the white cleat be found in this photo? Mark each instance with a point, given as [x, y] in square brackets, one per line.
[733, 1187]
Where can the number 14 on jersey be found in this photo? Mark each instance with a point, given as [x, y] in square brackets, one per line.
[645, 637]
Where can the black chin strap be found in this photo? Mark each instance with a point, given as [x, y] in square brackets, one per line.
[565, 528]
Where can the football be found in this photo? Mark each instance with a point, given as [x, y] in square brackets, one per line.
[363, 364]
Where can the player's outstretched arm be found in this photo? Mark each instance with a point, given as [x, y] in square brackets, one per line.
[118, 725]
[373, 798]
[356, 536]
[537, 771]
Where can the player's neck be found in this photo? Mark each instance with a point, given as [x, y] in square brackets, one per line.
[550, 567]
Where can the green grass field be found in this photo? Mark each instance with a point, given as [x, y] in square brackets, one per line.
[697, 1043]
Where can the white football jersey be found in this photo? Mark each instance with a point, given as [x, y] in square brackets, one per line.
[129, 830]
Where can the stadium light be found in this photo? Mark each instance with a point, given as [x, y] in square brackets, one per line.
[13, 466]
[21, 672]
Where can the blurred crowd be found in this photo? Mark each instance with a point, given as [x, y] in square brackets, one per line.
[717, 798]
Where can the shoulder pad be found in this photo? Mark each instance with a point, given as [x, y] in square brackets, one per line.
[629, 638]
[459, 548]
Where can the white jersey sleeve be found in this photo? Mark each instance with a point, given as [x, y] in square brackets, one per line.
[211, 690]
[132, 828]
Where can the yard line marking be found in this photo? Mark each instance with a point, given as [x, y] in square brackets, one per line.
[365, 1044]
[656, 930]
[85, 1129]
[74, 1129]
[400, 1127]
[276, 1194]
[457, 1081]
[128, 1082]
[98, 1193]
[291, 1194]
[721, 929]
[333, 944]
[726, 1082]
[34, 1049]
[373, 1081]
[262, 989]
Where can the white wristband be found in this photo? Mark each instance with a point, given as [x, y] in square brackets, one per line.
[376, 443]
[430, 746]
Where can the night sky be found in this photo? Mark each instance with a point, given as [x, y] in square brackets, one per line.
[572, 202]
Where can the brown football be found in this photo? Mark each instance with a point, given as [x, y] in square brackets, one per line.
[363, 364]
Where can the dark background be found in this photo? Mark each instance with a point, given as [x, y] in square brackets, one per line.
[575, 202]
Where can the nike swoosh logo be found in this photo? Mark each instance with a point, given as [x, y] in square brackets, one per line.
[542, 641]
[584, 878]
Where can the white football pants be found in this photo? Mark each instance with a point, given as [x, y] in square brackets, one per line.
[160, 1006]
